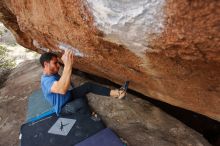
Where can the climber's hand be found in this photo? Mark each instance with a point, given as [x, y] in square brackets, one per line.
[68, 58]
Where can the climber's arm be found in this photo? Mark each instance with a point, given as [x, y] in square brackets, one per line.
[61, 86]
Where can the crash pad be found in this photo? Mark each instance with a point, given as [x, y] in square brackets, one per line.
[105, 137]
[38, 107]
[65, 130]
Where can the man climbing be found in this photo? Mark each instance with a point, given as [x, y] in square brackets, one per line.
[58, 90]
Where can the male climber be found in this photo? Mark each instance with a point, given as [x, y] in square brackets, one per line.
[58, 90]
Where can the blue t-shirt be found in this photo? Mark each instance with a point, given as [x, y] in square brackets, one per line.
[55, 99]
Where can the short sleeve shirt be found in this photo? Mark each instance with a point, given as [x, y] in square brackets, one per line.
[55, 99]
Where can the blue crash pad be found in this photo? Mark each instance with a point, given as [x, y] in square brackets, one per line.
[105, 137]
[38, 107]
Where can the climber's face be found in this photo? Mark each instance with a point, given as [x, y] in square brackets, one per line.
[53, 66]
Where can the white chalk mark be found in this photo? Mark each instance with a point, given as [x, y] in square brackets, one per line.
[75, 51]
[37, 45]
[129, 22]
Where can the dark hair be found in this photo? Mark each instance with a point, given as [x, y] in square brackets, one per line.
[46, 57]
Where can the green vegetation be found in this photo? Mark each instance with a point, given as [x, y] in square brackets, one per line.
[1, 33]
[5, 62]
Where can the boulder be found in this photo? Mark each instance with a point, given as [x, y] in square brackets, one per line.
[168, 49]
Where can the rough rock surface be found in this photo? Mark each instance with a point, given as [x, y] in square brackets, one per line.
[168, 49]
[24, 79]
[141, 124]
[135, 120]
